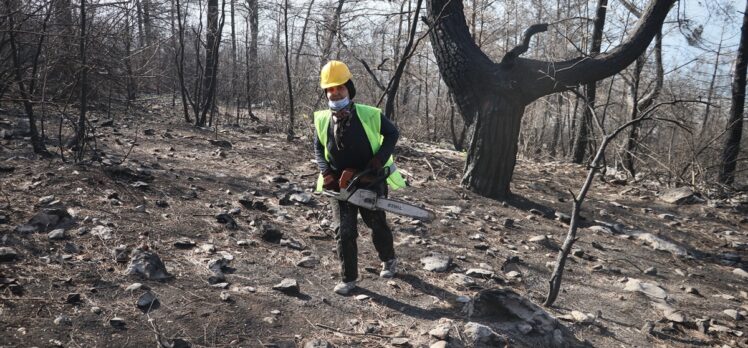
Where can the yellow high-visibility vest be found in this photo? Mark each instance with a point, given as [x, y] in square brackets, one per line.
[370, 118]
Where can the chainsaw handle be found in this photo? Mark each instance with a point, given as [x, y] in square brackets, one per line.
[354, 182]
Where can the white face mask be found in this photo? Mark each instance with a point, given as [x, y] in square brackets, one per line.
[338, 104]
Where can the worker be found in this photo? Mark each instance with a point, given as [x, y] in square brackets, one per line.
[354, 137]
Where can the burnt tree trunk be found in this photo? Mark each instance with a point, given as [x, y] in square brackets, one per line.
[735, 123]
[581, 138]
[492, 96]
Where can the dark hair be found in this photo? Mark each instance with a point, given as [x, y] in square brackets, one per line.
[351, 89]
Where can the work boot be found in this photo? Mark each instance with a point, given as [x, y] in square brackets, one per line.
[389, 269]
[344, 288]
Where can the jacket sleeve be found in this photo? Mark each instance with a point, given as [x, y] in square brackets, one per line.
[319, 154]
[391, 134]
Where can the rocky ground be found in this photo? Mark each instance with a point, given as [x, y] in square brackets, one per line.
[180, 237]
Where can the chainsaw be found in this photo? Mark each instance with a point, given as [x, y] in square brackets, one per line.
[364, 195]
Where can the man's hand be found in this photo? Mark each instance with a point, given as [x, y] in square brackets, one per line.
[375, 164]
[330, 181]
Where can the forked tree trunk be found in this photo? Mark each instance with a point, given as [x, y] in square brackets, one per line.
[495, 95]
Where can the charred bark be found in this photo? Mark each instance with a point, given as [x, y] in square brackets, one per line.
[735, 123]
[492, 97]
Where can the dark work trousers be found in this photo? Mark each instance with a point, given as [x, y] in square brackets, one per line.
[345, 217]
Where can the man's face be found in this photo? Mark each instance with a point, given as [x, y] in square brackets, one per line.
[337, 92]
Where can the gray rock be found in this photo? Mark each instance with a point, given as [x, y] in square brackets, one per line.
[439, 344]
[46, 200]
[479, 273]
[225, 296]
[524, 328]
[512, 275]
[651, 290]
[303, 198]
[508, 223]
[733, 314]
[650, 271]
[63, 319]
[121, 253]
[57, 234]
[441, 331]
[578, 252]
[317, 343]
[148, 265]
[103, 232]
[669, 217]
[134, 287]
[308, 262]
[96, 310]
[600, 229]
[680, 195]
[692, 290]
[7, 254]
[148, 302]
[117, 323]
[436, 263]
[184, 243]
[504, 304]
[400, 342]
[479, 335]
[50, 219]
[287, 286]
[461, 280]
[73, 298]
[740, 272]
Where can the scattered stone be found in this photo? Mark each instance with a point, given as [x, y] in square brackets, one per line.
[733, 314]
[461, 280]
[270, 233]
[692, 290]
[508, 223]
[46, 200]
[117, 323]
[73, 298]
[441, 331]
[140, 185]
[740, 272]
[57, 234]
[161, 203]
[681, 195]
[436, 263]
[217, 267]
[121, 253]
[225, 296]
[134, 287]
[479, 273]
[103, 232]
[512, 275]
[148, 265]
[221, 143]
[479, 335]
[291, 243]
[303, 198]
[439, 344]
[317, 343]
[578, 252]
[650, 271]
[184, 243]
[228, 220]
[400, 342]
[658, 243]
[308, 262]
[63, 319]
[148, 302]
[208, 248]
[7, 254]
[524, 328]
[362, 297]
[482, 246]
[287, 286]
[49, 219]
[565, 218]
[653, 291]
[669, 217]
[703, 325]
[96, 310]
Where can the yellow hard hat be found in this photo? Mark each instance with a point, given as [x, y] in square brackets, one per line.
[334, 73]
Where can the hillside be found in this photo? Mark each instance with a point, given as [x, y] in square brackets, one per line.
[231, 215]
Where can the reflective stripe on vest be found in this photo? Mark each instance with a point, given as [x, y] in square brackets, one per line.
[371, 120]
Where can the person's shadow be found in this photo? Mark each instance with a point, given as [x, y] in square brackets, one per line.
[411, 310]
